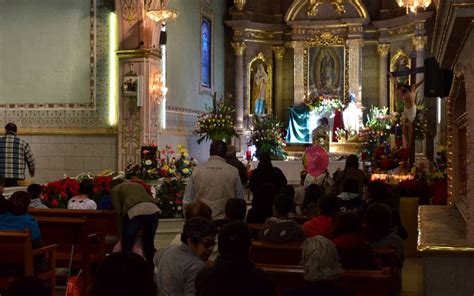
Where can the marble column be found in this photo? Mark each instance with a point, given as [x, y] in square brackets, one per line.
[383, 49]
[278, 97]
[239, 48]
[298, 49]
[355, 67]
[419, 43]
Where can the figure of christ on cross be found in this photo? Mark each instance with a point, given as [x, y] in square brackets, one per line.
[407, 94]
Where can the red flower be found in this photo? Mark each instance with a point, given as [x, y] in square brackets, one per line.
[55, 203]
[178, 194]
[179, 201]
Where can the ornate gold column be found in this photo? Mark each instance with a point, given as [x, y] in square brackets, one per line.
[239, 48]
[279, 54]
[383, 49]
[298, 49]
[239, 4]
[419, 43]
[355, 67]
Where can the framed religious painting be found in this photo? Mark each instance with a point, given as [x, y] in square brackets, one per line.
[326, 71]
[259, 86]
[206, 85]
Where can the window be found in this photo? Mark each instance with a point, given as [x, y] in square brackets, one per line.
[207, 52]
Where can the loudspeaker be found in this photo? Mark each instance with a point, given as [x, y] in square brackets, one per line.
[432, 78]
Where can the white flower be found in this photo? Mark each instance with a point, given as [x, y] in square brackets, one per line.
[148, 162]
[179, 208]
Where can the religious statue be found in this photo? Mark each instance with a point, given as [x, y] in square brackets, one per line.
[320, 134]
[259, 89]
[352, 115]
[407, 94]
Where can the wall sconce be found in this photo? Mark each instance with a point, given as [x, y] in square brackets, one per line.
[158, 88]
[162, 15]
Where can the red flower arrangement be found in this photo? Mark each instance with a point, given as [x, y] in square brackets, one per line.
[56, 194]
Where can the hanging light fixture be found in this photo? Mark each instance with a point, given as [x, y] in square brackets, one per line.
[162, 14]
[413, 5]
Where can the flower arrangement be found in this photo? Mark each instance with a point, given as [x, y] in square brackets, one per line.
[267, 136]
[420, 125]
[380, 120]
[172, 165]
[170, 198]
[56, 194]
[216, 123]
[341, 134]
[388, 159]
[440, 163]
[324, 105]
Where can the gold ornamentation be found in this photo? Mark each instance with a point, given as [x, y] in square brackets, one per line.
[260, 57]
[279, 52]
[313, 9]
[338, 30]
[402, 30]
[383, 49]
[139, 53]
[239, 4]
[301, 6]
[129, 11]
[419, 42]
[326, 39]
[239, 48]
[67, 131]
[262, 35]
[238, 33]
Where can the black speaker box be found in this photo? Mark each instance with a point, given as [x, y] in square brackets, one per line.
[437, 81]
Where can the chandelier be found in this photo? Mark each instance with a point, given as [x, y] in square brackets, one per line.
[413, 5]
[162, 15]
[158, 88]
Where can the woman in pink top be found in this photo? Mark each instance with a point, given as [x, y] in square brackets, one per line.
[322, 224]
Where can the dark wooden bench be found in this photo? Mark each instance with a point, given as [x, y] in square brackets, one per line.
[16, 250]
[98, 221]
[360, 282]
[77, 247]
[272, 253]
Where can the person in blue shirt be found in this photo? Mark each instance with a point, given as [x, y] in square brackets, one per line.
[17, 217]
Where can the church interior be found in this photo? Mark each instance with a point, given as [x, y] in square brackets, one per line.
[95, 91]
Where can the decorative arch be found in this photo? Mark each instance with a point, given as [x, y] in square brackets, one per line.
[309, 9]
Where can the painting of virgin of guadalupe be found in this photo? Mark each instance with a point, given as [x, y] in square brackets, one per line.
[326, 72]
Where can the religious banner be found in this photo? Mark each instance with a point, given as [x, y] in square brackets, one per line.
[326, 72]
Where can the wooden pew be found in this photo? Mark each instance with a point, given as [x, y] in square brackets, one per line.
[300, 219]
[390, 260]
[16, 249]
[360, 282]
[97, 222]
[74, 243]
[272, 253]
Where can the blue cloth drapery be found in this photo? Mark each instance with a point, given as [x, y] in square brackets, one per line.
[298, 127]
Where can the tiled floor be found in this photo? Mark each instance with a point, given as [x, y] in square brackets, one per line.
[412, 277]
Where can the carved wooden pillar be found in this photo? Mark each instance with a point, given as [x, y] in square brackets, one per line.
[239, 48]
[279, 53]
[355, 67]
[383, 49]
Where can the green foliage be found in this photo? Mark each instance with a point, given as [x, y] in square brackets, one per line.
[267, 136]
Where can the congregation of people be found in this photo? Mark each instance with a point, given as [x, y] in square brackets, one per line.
[345, 218]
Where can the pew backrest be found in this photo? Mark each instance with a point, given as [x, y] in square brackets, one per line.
[273, 253]
[15, 248]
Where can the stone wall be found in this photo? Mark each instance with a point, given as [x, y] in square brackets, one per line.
[59, 155]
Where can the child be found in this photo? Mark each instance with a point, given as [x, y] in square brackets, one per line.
[36, 191]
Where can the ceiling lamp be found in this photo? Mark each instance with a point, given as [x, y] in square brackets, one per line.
[162, 15]
[413, 5]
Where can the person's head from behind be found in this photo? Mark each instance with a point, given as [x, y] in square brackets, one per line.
[86, 187]
[303, 175]
[378, 191]
[347, 223]
[2, 184]
[234, 240]
[265, 160]
[235, 209]
[320, 259]
[283, 204]
[323, 121]
[218, 148]
[328, 206]
[200, 235]
[35, 190]
[351, 185]
[352, 162]
[312, 195]
[29, 285]
[378, 220]
[289, 190]
[19, 202]
[197, 209]
[231, 151]
[124, 274]
[10, 129]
